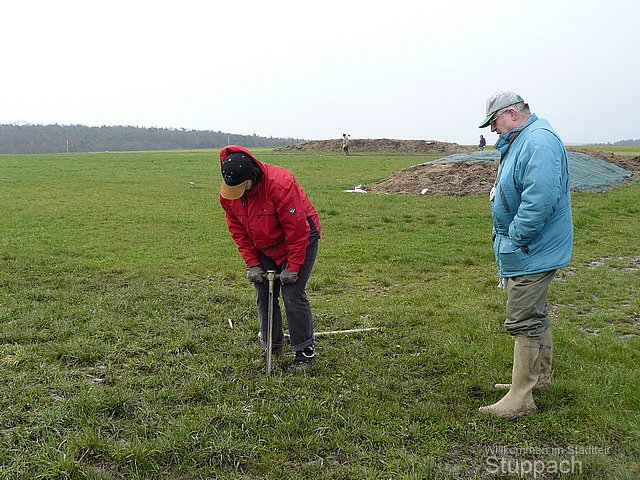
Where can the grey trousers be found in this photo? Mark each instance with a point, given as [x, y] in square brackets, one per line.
[294, 297]
[527, 304]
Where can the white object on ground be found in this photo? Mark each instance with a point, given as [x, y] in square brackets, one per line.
[356, 189]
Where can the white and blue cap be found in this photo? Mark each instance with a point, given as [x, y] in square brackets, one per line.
[497, 102]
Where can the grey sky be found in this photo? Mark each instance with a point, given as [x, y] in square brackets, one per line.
[402, 69]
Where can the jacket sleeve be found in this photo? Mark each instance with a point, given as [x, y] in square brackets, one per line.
[240, 236]
[289, 202]
[540, 179]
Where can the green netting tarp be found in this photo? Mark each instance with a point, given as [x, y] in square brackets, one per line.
[585, 172]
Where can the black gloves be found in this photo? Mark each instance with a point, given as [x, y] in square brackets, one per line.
[287, 276]
[255, 274]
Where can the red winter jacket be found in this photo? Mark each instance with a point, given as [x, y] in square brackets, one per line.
[271, 217]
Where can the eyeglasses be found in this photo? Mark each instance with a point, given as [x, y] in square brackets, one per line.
[495, 117]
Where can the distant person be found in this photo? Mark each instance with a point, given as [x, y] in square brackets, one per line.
[482, 143]
[275, 227]
[533, 236]
[345, 143]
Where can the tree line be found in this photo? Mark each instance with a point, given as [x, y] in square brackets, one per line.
[622, 142]
[80, 138]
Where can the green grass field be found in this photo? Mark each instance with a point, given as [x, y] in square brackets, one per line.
[118, 279]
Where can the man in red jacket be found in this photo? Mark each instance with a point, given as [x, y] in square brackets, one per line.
[275, 227]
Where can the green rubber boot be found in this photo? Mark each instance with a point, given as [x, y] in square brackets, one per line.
[526, 368]
[546, 354]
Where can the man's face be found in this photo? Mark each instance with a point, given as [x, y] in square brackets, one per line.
[503, 122]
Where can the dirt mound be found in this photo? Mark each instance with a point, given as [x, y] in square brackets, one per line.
[428, 147]
[456, 178]
[472, 177]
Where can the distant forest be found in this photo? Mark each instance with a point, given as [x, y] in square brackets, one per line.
[622, 142]
[80, 138]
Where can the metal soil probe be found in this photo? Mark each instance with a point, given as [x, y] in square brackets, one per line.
[271, 277]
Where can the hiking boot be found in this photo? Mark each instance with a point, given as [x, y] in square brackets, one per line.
[303, 359]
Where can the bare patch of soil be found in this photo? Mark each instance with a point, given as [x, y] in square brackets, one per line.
[417, 147]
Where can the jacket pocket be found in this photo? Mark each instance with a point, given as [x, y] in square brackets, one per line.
[267, 228]
[503, 200]
[512, 258]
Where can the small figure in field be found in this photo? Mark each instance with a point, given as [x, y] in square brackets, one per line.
[482, 143]
[345, 143]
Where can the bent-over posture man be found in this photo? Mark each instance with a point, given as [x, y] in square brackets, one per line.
[275, 227]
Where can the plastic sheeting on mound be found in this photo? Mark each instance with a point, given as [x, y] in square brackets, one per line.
[585, 171]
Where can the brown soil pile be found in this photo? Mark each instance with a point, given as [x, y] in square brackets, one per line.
[467, 178]
[455, 178]
[427, 147]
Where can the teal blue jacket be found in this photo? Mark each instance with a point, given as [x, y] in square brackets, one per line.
[531, 207]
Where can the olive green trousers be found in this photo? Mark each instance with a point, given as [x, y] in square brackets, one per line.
[527, 304]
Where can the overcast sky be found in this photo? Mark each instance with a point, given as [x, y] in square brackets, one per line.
[393, 69]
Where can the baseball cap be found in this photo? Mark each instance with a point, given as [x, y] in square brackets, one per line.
[236, 171]
[498, 101]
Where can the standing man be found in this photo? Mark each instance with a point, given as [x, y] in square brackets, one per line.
[275, 227]
[345, 143]
[533, 236]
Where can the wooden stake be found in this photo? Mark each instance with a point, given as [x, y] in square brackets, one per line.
[335, 332]
[339, 332]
